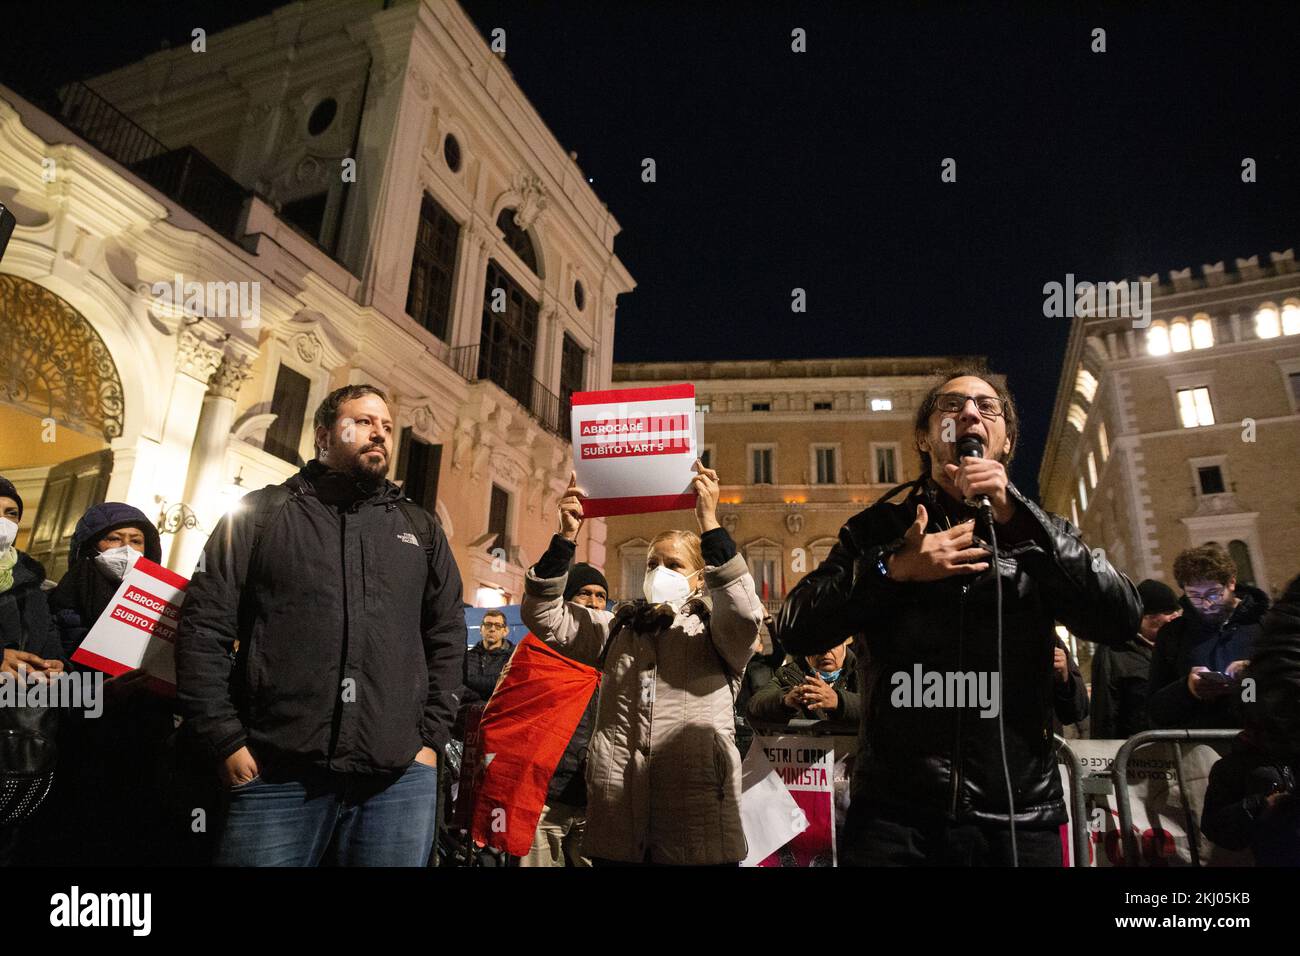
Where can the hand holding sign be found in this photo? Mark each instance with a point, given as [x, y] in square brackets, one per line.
[571, 509]
[705, 486]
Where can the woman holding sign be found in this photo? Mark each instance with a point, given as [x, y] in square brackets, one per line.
[663, 772]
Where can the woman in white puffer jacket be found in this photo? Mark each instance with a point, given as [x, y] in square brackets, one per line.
[663, 772]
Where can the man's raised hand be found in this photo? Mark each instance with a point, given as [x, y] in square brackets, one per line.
[571, 509]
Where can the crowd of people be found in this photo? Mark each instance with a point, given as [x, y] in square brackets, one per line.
[322, 671]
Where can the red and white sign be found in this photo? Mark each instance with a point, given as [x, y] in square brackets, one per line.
[634, 449]
[138, 628]
[806, 766]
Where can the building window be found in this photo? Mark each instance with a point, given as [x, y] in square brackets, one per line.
[762, 466]
[433, 267]
[1074, 512]
[882, 405]
[1086, 384]
[1083, 496]
[703, 408]
[1180, 337]
[1194, 407]
[579, 295]
[1239, 551]
[634, 558]
[420, 463]
[322, 116]
[1158, 338]
[451, 152]
[1290, 319]
[306, 214]
[1092, 470]
[1293, 379]
[498, 520]
[885, 464]
[760, 406]
[824, 465]
[289, 405]
[1266, 323]
[518, 239]
[1210, 479]
[1076, 416]
[822, 406]
[509, 338]
[1102, 442]
[764, 559]
[573, 369]
[706, 456]
[1202, 332]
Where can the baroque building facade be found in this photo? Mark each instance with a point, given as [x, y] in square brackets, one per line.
[208, 242]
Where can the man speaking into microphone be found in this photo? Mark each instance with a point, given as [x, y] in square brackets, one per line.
[957, 741]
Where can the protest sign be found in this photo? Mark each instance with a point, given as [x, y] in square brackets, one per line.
[634, 449]
[138, 628]
[806, 765]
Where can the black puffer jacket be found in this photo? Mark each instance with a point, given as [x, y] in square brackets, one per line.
[1188, 642]
[483, 669]
[340, 589]
[25, 620]
[768, 705]
[946, 761]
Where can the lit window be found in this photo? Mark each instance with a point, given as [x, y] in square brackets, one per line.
[1158, 338]
[882, 405]
[1102, 443]
[1194, 407]
[1092, 470]
[1202, 332]
[1083, 496]
[1086, 383]
[1180, 339]
[1076, 416]
[703, 408]
[761, 467]
[1290, 319]
[1074, 512]
[1266, 324]
[825, 466]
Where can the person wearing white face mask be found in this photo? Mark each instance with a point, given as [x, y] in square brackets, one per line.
[106, 806]
[663, 771]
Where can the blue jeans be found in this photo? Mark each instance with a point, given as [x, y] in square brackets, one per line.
[331, 818]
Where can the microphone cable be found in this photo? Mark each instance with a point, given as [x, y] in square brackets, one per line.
[1002, 727]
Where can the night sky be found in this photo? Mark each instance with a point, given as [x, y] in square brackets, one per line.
[821, 170]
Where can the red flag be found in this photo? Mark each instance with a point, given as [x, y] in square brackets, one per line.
[526, 726]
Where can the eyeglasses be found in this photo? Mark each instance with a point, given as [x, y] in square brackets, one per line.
[493, 626]
[1211, 597]
[988, 405]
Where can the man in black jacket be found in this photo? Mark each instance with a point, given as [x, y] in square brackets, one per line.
[915, 579]
[1120, 674]
[816, 687]
[345, 602]
[1200, 658]
[486, 659]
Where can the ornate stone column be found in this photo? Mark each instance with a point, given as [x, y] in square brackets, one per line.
[204, 481]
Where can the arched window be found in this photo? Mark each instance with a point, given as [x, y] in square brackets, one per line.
[1266, 323]
[1239, 551]
[1202, 331]
[1158, 338]
[518, 239]
[1180, 337]
[1290, 318]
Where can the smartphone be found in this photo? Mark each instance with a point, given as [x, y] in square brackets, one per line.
[1217, 677]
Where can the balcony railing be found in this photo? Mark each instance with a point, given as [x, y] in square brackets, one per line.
[184, 175]
[473, 364]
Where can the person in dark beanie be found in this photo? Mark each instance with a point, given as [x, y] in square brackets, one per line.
[28, 638]
[1252, 797]
[344, 601]
[1120, 674]
[558, 837]
[108, 801]
[1200, 658]
[485, 661]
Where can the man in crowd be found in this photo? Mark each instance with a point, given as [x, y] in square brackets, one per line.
[822, 686]
[1120, 674]
[915, 579]
[1200, 658]
[345, 602]
[486, 659]
[1070, 694]
[564, 816]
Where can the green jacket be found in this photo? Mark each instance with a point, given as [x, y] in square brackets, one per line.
[768, 707]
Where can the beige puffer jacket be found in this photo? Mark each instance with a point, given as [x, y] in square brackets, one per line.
[663, 772]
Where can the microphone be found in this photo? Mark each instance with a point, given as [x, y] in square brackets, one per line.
[970, 446]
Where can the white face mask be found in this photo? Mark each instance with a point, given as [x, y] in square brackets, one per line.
[8, 533]
[664, 585]
[115, 562]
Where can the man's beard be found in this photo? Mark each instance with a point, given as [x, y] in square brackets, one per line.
[366, 472]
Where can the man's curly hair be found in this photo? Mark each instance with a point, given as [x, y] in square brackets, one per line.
[1206, 563]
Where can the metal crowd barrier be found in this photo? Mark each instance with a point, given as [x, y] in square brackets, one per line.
[1119, 777]
[1078, 812]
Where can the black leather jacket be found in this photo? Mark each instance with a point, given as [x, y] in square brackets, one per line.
[946, 761]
